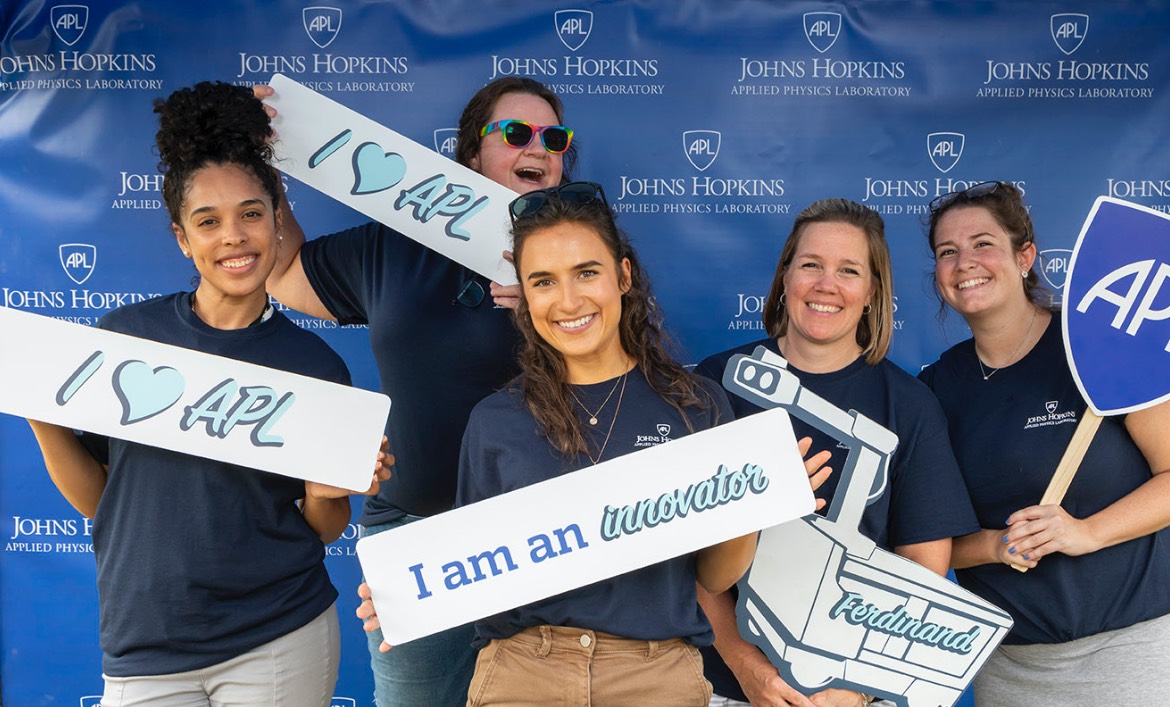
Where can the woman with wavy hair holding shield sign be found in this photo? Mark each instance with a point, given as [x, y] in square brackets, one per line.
[1092, 612]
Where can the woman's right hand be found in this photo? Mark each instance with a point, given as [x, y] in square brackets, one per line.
[814, 466]
[369, 617]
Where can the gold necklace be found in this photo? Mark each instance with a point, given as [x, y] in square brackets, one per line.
[593, 415]
[616, 409]
[1011, 358]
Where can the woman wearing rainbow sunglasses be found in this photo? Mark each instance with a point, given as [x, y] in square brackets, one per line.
[428, 322]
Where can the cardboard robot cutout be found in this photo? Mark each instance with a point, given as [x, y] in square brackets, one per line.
[826, 605]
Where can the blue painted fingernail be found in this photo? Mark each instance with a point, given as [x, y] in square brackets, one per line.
[1005, 538]
[1011, 551]
[1008, 521]
[1026, 557]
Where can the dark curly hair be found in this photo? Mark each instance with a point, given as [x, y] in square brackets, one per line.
[544, 378]
[211, 123]
[479, 109]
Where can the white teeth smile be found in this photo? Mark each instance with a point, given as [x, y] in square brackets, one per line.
[529, 173]
[826, 308]
[973, 283]
[576, 323]
[234, 263]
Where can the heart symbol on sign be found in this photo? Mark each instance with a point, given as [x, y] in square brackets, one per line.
[145, 393]
[375, 170]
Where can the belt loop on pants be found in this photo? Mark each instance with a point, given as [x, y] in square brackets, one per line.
[651, 650]
[545, 642]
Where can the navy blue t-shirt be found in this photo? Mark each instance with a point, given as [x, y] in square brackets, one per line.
[436, 357]
[200, 561]
[924, 499]
[503, 450]
[1009, 433]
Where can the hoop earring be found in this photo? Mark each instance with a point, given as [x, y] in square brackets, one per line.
[867, 309]
[781, 301]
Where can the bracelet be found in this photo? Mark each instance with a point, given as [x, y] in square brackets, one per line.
[866, 700]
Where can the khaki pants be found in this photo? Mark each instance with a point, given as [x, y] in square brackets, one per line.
[557, 665]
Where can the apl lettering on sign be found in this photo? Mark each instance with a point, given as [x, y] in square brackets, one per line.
[1117, 303]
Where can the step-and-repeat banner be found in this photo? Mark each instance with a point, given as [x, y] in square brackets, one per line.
[710, 123]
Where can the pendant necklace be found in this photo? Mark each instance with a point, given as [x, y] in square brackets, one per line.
[984, 372]
[617, 408]
[593, 415]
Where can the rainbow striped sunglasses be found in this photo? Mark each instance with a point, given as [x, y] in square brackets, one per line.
[518, 133]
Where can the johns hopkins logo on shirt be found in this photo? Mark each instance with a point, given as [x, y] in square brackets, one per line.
[1054, 266]
[445, 141]
[662, 436]
[945, 149]
[822, 29]
[322, 24]
[78, 260]
[573, 27]
[1052, 416]
[701, 147]
[1069, 30]
[68, 22]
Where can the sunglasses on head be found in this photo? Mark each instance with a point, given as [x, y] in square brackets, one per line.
[571, 193]
[970, 193]
[518, 133]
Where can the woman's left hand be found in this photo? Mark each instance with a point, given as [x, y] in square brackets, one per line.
[1037, 531]
[834, 697]
[369, 617]
[382, 466]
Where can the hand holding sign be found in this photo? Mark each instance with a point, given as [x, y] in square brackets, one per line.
[384, 175]
[1114, 301]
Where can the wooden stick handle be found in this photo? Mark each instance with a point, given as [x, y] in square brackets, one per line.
[1070, 462]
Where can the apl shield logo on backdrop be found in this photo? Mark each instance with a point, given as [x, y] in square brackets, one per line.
[91, 701]
[822, 29]
[701, 147]
[1069, 30]
[322, 24]
[78, 260]
[945, 149]
[68, 22]
[343, 702]
[1054, 266]
[1117, 307]
[573, 27]
[445, 141]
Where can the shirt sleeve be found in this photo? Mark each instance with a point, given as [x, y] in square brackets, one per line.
[342, 268]
[929, 498]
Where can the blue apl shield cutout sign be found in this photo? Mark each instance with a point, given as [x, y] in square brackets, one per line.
[1117, 307]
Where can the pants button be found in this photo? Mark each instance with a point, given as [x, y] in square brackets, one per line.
[585, 640]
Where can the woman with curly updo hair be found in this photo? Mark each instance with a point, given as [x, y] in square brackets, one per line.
[211, 582]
